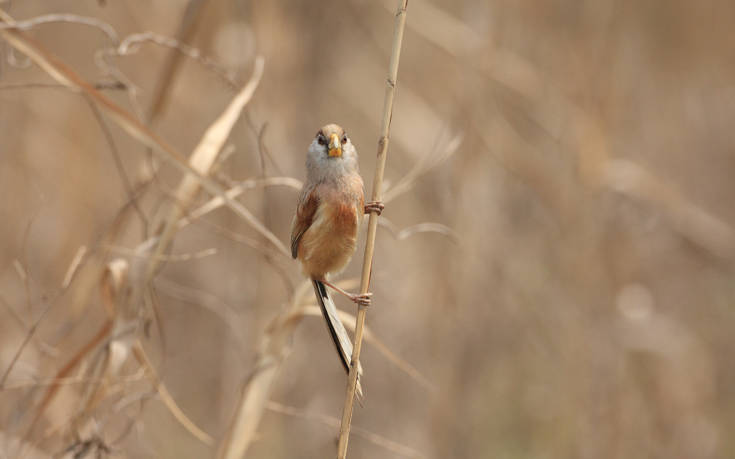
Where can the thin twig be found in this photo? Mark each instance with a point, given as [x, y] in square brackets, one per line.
[74, 267]
[423, 166]
[23, 273]
[401, 364]
[201, 161]
[377, 194]
[19, 351]
[209, 301]
[330, 421]
[217, 202]
[273, 349]
[190, 21]
[68, 381]
[163, 258]
[127, 184]
[104, 27]
[132, 43]
[427, 227]
[167, 399]
[65, 75]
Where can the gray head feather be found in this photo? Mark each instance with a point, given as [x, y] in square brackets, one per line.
[320, 167]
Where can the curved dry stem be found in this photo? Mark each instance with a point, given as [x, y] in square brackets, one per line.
[132, 43]
[422, 167]
[273, 350]
[372, 437]
[66, 76]
[167, 399]
[217, 202]
[102, 26]
[426, 227]
[202, 159]
[403, 365]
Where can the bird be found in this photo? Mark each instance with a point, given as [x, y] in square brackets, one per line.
[324, 228]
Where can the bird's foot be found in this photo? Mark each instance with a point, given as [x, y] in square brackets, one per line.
[364, 299]
[374, 206]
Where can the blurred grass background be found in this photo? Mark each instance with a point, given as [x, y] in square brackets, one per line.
[585, 311]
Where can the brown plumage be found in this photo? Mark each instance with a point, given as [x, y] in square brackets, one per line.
[324, 229]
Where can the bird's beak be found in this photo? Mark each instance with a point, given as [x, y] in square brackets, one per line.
[335, 147]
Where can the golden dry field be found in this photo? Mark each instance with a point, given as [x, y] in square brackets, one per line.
[553, 274]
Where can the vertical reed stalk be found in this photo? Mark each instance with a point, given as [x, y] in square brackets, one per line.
[377, 194]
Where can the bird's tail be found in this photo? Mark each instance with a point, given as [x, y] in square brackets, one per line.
[339, 335]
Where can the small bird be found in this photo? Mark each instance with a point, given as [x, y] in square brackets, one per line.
[324, 229]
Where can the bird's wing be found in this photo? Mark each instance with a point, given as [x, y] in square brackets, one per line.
[308, 203]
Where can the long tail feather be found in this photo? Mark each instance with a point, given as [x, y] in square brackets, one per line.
[339, 335]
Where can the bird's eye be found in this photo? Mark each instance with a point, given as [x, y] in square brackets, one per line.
[321, 139]
[344, 139]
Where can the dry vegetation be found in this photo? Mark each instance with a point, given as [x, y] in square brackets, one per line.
[553, 275]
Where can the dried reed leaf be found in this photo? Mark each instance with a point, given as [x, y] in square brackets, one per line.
[379, 440]
[273, 349]
[349, 320]
[426, 227]
[171, 258]
[69, 381]
[217, 202]
[66, 76]
[422, 167]
[167, 399]
[202, 159]
[111, 285]
[74, 266]
[236, 191]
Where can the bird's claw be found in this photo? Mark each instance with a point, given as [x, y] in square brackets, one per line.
[362, 299]
[374, 206]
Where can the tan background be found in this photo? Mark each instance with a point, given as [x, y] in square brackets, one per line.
[584, 310]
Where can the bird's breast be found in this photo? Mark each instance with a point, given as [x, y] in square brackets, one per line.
[330, 241]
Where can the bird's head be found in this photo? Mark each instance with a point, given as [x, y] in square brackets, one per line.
[332, 149]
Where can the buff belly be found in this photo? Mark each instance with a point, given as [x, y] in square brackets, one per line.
[327, 246]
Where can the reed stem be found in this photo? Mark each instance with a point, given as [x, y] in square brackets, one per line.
[377, 194]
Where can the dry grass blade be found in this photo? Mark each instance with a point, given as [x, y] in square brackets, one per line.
[68, 18]
[23, 274]
[66, 76]
[74, 266]
[377, 195]
[426, 227]
[202, 160]
[253, 401]
[22, 346]
[166, 398]
[217, 202]
[227, 313]
[422, 167]
[106, 368]
[349, 319]
[132, 43]
[237, 190]
[111, 284]
[171, 258]
[273, 349]
[379, 440]
[67, 381]
[190, 21]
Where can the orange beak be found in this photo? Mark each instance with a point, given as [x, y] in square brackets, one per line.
[335, 147]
